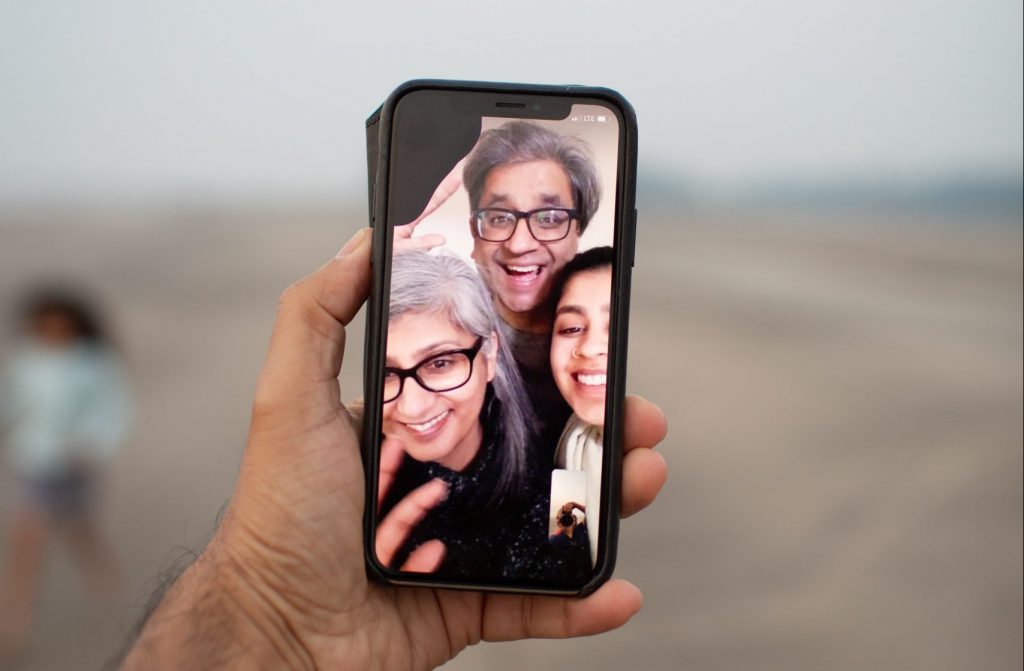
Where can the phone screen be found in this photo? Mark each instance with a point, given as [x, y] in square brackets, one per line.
[498, 324]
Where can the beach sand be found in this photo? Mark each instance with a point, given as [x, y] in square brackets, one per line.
[844, 395]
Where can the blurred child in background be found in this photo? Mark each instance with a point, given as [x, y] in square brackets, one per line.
[63, 412]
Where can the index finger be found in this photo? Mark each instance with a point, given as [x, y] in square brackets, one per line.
[391, 455]
[643, 470]
[645, 424]
[403, 518]
[449, 185]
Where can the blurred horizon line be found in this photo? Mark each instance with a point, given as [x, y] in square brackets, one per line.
[993, 192]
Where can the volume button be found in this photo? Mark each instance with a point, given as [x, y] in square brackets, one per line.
[632, 241]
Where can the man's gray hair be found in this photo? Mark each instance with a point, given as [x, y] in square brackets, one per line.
[522, 141]
[443, 284]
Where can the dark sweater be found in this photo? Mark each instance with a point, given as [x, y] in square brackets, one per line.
[487, 538]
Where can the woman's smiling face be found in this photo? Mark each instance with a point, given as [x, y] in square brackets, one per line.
[443, 427]
[579, 343]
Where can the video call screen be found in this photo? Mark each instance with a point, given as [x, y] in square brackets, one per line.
[499, 294]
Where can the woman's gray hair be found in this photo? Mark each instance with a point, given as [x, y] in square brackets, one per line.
[445, 285]
[522, 141]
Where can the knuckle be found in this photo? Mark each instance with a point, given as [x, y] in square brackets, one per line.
[299, 303]
[293, 294]
[266, 406]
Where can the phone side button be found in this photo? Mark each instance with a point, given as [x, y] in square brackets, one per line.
[632, 242]
[373, 234]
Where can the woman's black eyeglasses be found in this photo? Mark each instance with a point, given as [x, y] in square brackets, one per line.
[438, 372]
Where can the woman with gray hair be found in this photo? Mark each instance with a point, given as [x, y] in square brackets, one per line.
[456, 466]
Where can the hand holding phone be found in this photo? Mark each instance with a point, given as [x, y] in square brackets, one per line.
[282, 582]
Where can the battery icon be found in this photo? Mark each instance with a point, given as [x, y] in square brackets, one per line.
[601, 118]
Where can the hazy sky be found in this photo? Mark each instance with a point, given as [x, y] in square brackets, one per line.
[250, 98]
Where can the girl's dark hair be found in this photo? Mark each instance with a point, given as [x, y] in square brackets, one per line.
[79, 310]
[596, 258]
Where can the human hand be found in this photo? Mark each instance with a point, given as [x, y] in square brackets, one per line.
[406, 514]
[403, 239]
[568, 508]
[283, 582]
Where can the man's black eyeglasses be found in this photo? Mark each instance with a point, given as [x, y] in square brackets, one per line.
[548, 224]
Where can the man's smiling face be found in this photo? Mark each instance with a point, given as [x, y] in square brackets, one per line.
[520, 270]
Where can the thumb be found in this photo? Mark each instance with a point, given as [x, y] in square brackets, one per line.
[308, 341]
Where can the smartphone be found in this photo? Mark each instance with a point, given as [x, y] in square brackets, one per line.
[504, 228]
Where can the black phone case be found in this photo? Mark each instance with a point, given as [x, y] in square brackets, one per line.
[378, 149]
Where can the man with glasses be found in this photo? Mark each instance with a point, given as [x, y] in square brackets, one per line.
[532, 193]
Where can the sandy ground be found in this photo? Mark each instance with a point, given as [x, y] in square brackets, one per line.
[845, 404]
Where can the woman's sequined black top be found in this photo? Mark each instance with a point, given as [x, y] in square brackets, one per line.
[490, 540]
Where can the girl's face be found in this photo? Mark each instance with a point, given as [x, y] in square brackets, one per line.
[579, 343]
[54, 328]
[436, 426]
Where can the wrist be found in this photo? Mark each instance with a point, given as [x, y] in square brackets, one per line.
[214, 618]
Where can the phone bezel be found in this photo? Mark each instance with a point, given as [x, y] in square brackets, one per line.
[484, 95]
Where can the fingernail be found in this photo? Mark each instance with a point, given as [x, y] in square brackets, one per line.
[447, 489]
[352, 244]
